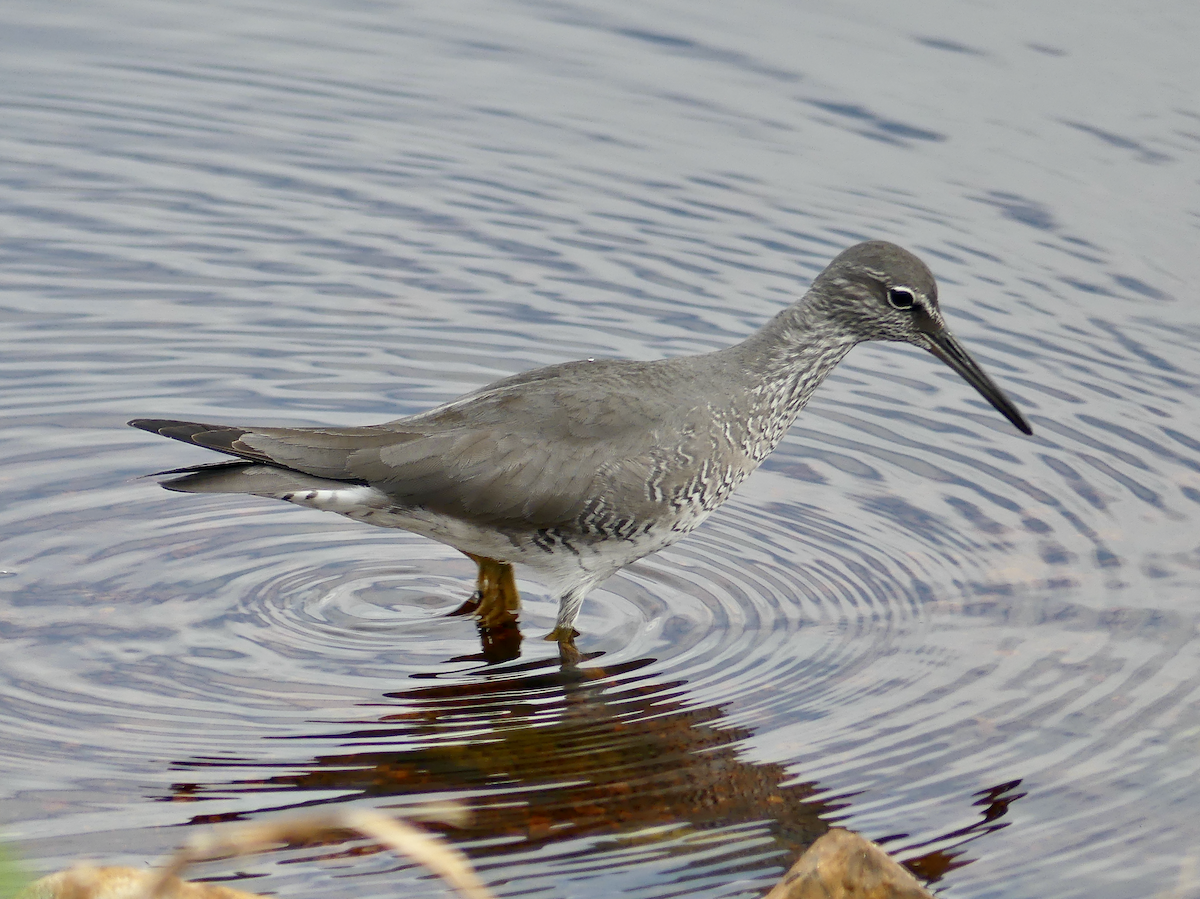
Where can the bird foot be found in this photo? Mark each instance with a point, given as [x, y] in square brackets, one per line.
[496, 599]
[567, 653]
[469, 606]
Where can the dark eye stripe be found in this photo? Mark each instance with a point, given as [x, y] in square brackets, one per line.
[901, 297]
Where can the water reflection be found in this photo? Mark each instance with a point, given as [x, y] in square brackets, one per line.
[949, 853]
[552, 752]
[548, 753]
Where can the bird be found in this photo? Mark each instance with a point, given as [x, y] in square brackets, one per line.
[579, 469]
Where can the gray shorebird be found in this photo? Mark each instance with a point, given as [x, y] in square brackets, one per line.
[577, 470]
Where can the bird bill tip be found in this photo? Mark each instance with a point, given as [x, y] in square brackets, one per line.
[944, 345]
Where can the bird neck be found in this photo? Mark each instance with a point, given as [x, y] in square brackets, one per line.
[781, 365]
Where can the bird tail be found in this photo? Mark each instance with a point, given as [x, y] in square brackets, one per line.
[245, 477]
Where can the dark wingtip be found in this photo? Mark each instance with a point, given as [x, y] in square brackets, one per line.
[217, 437]
[179, 430]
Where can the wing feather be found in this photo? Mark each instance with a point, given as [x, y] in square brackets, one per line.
[529, 451]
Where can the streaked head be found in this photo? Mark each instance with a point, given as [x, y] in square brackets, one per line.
[879, 291]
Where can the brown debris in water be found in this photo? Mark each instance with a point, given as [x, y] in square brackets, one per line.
[401, 837]
[844, 865]
[840, 865]
[83, 882]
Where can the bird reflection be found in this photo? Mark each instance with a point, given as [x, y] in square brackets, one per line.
[548, 752]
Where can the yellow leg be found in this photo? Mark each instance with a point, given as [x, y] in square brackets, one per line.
[497, 591]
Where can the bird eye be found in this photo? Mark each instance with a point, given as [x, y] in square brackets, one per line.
[901, 297]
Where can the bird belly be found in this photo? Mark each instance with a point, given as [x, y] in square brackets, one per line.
[372, 506]
[564, 560]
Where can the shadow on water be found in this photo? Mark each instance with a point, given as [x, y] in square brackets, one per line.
[547, 753]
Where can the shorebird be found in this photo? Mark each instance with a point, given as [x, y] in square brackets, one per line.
[576, 470]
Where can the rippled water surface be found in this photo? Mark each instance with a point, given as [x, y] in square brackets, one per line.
[978, 647]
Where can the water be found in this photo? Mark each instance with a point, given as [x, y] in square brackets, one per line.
[915, 622]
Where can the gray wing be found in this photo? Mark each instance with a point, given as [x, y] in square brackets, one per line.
[532, 450]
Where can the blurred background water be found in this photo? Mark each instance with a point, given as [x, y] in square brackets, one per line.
[978, 647]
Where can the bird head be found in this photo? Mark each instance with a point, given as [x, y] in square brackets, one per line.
[878, 291]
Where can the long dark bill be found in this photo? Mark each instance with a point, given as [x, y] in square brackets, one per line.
[949, 350]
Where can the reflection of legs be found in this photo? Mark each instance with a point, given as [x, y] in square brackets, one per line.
[496, 590]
